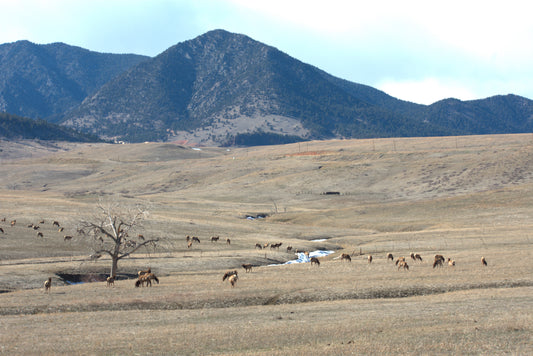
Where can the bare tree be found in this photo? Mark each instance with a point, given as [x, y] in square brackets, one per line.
[112, 232]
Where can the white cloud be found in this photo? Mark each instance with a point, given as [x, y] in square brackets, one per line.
[425, 91]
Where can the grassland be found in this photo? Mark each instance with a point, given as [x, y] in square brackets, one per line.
[463, 197]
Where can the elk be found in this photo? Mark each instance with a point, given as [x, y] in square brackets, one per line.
[110, 281]
[369, 258]
[189, 244]
[418, 257]
[390, 257]
[451, 262]
[215, 238]
[48, 284]
[439, 260]
[483, 261]
[40, 234]
[247, 267]
[61, 229]
[315, 260]
[276, 246]
[146, 278]
[188, 238]
[67, 238]
[259, 246]
[233, 279]
[55, 223]
[195, 239]
[229, 274]
[2, 230]
[346, 257]
[289, 248]
[399, 260]
[140, 273]
[403, 264]
[228, 241]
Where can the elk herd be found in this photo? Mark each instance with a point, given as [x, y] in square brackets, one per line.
[37, 228]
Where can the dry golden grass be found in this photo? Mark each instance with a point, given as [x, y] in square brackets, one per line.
[463, 197]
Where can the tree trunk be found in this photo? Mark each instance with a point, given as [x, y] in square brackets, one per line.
[114, 266]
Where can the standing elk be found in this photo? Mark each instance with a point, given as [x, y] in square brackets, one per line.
[48, 284]
[228, 241]
[195, 239]
[215, 238]
[403, 264]
[13, 222]
[390, 257]
[40, 234]
[2, 230]
[67, 238]
[55, 223]
[247, 267]
[233, 279]
[483, 261]
[369, 258]
[451, 262]
[110, 281]
[259, 246]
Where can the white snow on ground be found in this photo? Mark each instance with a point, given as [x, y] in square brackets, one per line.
[303, 258]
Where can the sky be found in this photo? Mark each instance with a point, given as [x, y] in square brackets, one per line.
[419, 51]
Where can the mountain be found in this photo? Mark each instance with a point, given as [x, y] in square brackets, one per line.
[227, 86]
[45, 81]
[223, 88]
[13, 127]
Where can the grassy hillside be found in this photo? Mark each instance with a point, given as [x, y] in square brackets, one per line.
[463, 197]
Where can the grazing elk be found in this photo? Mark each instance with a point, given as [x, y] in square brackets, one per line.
[390, 257]
[146, 278]
[346, 257]
[229, 274]
[399, 260]
[48, 284]
[40, 234]
[418, 257]
[110, 281]
[41, 222]
[228, 241]
[55, 223]
[188, 238]
[483, 261]
[315, 260]
[195, 239]
[215, 238]
[276, 246]
[61, 229]
[439, 260]
[2, 230]
[247, 267]
[289, 248]
[189, 244]
[67, 238]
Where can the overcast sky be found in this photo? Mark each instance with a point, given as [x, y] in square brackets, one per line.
[420, 51]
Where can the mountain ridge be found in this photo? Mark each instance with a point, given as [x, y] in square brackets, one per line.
[222, 88]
